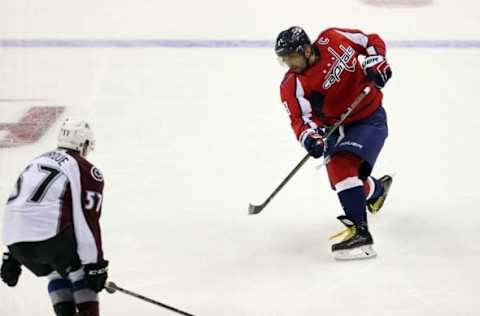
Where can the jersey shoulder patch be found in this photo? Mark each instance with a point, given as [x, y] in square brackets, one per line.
[96, 174]
[87, 169]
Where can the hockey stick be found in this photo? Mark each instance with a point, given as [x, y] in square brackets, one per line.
[112, 288]
[255, 209]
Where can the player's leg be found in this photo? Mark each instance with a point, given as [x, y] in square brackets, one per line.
[61, 295]
[27, 255]
[343, 173]
[85, 298]
[36, 256]
[377, 191]
[365, 139]
[344, 176]
[373, 187]
[66, 262]
[352, 155]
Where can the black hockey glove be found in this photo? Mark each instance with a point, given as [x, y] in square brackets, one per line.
[377, 69]
[11, 269]
[96, 275]
[314, 145]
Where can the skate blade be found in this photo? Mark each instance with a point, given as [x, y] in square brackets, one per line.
[363, 252]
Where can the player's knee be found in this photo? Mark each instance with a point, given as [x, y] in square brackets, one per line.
[60, 292]
[85, 298]
[343, 170]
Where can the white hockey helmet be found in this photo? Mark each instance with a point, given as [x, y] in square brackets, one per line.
[74, 134]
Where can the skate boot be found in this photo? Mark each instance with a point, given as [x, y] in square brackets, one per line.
[375, 205]
[357, 243]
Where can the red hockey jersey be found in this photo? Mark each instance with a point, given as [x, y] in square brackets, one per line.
[318, 96]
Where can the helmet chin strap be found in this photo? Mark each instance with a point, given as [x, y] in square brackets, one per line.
[85, 149]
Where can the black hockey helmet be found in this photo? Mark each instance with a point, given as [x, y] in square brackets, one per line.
[291, 40]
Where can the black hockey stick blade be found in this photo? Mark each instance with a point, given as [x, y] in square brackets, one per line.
[255, 209]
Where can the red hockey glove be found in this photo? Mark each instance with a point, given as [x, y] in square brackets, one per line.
[377, 69]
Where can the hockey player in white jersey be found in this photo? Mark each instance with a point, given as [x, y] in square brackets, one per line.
[51, 224]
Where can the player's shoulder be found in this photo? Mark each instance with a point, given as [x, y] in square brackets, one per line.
[86, 168]
[328, 31]
[289, 83]
[327, 35]
[288, 78]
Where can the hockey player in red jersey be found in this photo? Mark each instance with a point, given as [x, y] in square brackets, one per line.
[323, 79]
[51, 224]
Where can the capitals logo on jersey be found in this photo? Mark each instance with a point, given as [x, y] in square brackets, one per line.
[341, 63]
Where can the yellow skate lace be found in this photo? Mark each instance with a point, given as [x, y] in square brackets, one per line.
[348, 232]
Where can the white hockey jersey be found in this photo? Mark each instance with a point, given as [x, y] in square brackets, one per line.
[57, 190]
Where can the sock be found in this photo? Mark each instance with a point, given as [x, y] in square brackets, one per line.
[373, 188]
[353, 200]
[344, 176]
[60, 292]
[88, 309]
[85, 298]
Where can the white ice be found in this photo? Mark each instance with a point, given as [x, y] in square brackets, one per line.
[187, 138]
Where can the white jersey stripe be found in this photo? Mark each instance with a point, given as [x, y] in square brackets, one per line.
[348, 183]
[371, 184]
[86, 246]
[357, 38]
[305, 106]
[371, 51]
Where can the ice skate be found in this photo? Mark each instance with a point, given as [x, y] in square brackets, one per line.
[375, 205]
[357, 243]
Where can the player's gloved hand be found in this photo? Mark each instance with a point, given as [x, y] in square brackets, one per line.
[377, 69]
[314, 145]
[96, 275]
[11, 269]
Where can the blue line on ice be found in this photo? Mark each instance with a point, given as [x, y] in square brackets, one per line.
[176, 43]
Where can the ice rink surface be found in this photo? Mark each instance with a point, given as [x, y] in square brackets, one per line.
[187, 137]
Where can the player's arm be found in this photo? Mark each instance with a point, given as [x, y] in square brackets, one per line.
[375, 65]
[87, 197]
[299, 110]
[364, 44]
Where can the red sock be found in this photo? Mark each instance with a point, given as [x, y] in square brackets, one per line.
[88, 309]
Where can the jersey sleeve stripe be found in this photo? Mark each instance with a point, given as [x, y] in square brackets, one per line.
[86, 244]
[305, 106]
[371, 51]
[357, 38]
